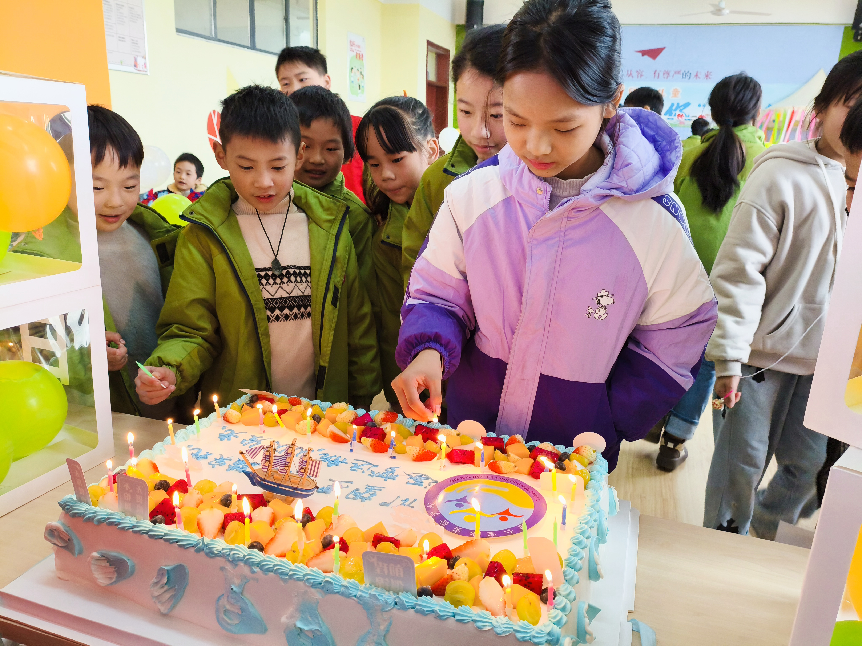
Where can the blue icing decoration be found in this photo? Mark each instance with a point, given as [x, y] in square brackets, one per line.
[305, 626]
[463, 614]
[238, 465]
[59, 534]
[420, 480]
[593, 558]
[387, 474]
[168, 586]
[613, 502]
[198, 453]
[582, 629]
[253, 440]
[360, 466]
[220, 461]
[379, 625]
[592, 611]
[364, 496]
[330, 460]
[234, 612]
[227, 435]
[109, 568]
[602, 529]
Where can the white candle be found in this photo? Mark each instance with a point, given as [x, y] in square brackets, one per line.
[185, 455]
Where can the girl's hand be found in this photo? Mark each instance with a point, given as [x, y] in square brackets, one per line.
[118, 356]
[155, 389]
[424, 372]
[727, 389]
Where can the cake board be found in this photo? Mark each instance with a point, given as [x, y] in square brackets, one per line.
[39, 598]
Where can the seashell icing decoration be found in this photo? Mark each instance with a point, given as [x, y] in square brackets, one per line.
[59, 535]
[168, 586]
[110, 567]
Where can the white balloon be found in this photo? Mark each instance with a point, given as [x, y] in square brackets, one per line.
[156, 169]
[448, 137]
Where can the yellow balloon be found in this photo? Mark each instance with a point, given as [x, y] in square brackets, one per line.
[854, 577]
[171, 207]
[35, 180]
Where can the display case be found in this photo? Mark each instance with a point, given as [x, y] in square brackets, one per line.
[54, 398]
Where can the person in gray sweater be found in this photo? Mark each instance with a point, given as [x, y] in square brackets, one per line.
[773, 276]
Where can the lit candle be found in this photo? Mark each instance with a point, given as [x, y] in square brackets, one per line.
[185, 455]
[555, 531]
[434, 420]
[260, 418]
[277, 416]
[475, 504]
[109, 464]
[297, 511]
[308, 424]
[131, 440]
[171, 431]
[425, 546]
[392, 446]
[524, 533]
[550, 589]
[563, 501]
[337, 489]
[336, 559]
[550, 465]
[476, 455]
[197, 423]
[215, 403]
[177, 512]
[233, 490]
[507, 589]
[247, 511]
[353, 439]
[442, 439]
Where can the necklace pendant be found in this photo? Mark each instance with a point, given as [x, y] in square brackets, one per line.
[277, 269]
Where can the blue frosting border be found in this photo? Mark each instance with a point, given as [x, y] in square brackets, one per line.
[548, 632]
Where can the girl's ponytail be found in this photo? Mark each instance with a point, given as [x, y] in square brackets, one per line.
[401, 124]
[734, 101]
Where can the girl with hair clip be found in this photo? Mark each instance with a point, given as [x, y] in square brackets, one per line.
[480, 119]
[708, 182]
[773, 277]
[559, 281]
[396, 141]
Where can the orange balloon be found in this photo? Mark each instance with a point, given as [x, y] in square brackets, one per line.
[35, 179]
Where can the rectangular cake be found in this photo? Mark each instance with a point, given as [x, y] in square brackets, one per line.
[276, 580]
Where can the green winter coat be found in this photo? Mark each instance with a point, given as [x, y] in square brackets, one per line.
[386, 252]
[707, 228]
[61, 240]
[361, 227]
[214, 330]
[429, 197]
[690, 142]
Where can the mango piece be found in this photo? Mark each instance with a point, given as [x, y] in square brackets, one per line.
[358, 547]
[500, 457]
[325, 515]
[314, 530]
[323, 427]
[250, 417]
[432, 446]
[465, 441]
[433, 540]
[270, 420]
[523, 466]
[430, 571]
[291, 419]
[190, 519]
[353, 535]
[379, 528]
[525, 566]
[413, 552]
[97, 492]
[205, 486]
[281, 509]
[401, 448]
[516, 592]
[310, 550]
[517, 450]
[134, 473]
[156, 497]
[147, 467]
[259, 530]
[234, 533]
[414, 440]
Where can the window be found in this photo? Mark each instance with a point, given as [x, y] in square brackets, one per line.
[266, 25]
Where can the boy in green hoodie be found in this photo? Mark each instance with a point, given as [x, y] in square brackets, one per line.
[267, 292]
[136, 248]
[327, 135]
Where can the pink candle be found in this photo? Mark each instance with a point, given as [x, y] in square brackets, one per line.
[186, 465]
[550, 589]
[131, 439]
[109, 464]
[177, 511]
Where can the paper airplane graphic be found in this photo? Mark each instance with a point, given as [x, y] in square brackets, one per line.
[651, 53]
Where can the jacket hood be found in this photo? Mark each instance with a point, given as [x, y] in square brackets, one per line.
[746, 134]
[800, 151]
[460, 159]
[642, 156]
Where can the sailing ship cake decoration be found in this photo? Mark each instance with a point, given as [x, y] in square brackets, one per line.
[274, 474]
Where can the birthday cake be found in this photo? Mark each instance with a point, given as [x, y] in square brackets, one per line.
[324, 525]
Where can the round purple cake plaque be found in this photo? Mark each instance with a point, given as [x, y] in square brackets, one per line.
[504, 503]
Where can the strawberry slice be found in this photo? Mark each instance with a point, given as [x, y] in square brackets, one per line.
[424, 455]
[228, 518]
[441, 551]
[165, 508]
[381, 538]
[439, 588]
[533, 582]
[180, 485]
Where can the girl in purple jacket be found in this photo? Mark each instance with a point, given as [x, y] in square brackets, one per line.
[559, 291]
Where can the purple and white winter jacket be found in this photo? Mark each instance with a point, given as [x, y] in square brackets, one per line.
[590, 317]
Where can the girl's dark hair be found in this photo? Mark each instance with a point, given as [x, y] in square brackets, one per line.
[479, 51]
[734, 101]
[401, 124]
[842, 84]
[577, 42]
[108, 130]
[851, 131]
[314, 102]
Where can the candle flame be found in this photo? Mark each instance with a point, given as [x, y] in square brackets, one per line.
[109, 464]
[506, 581]
[170, 421]
[176, 499]
[185, 454]
[233, 489]
[308, 412]
[572, 478]
[562, 500]
[215, 399]
[425, 545]
[475, 504]
[260, 407]
[246, 508]
[336, 540]
[442, 438]
[197, 412]
[297, 511]
[275, 408]
[548, 576]
[337, 488]
[130, 438]
[434, 419]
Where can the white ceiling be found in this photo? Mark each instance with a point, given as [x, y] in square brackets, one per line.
[662, 12]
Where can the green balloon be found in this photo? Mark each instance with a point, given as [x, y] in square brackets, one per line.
[5, 240]
[33, 407]
[171, 206]
[847, 633]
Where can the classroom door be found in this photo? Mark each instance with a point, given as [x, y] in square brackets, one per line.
[437, 85]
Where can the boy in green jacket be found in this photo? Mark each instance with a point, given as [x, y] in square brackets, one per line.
[267, 292]
[327, 135]
[136, 249]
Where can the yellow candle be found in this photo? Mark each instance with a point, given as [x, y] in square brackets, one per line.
[574, 487]
[308, 424]
[215, 403]
[197, 423]
[277, 416]
[442, 439]
[337, 490]
[171, 431]
[476, 455]
[336, 558]
[247, 511]
[475, 503]
[425, 550]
